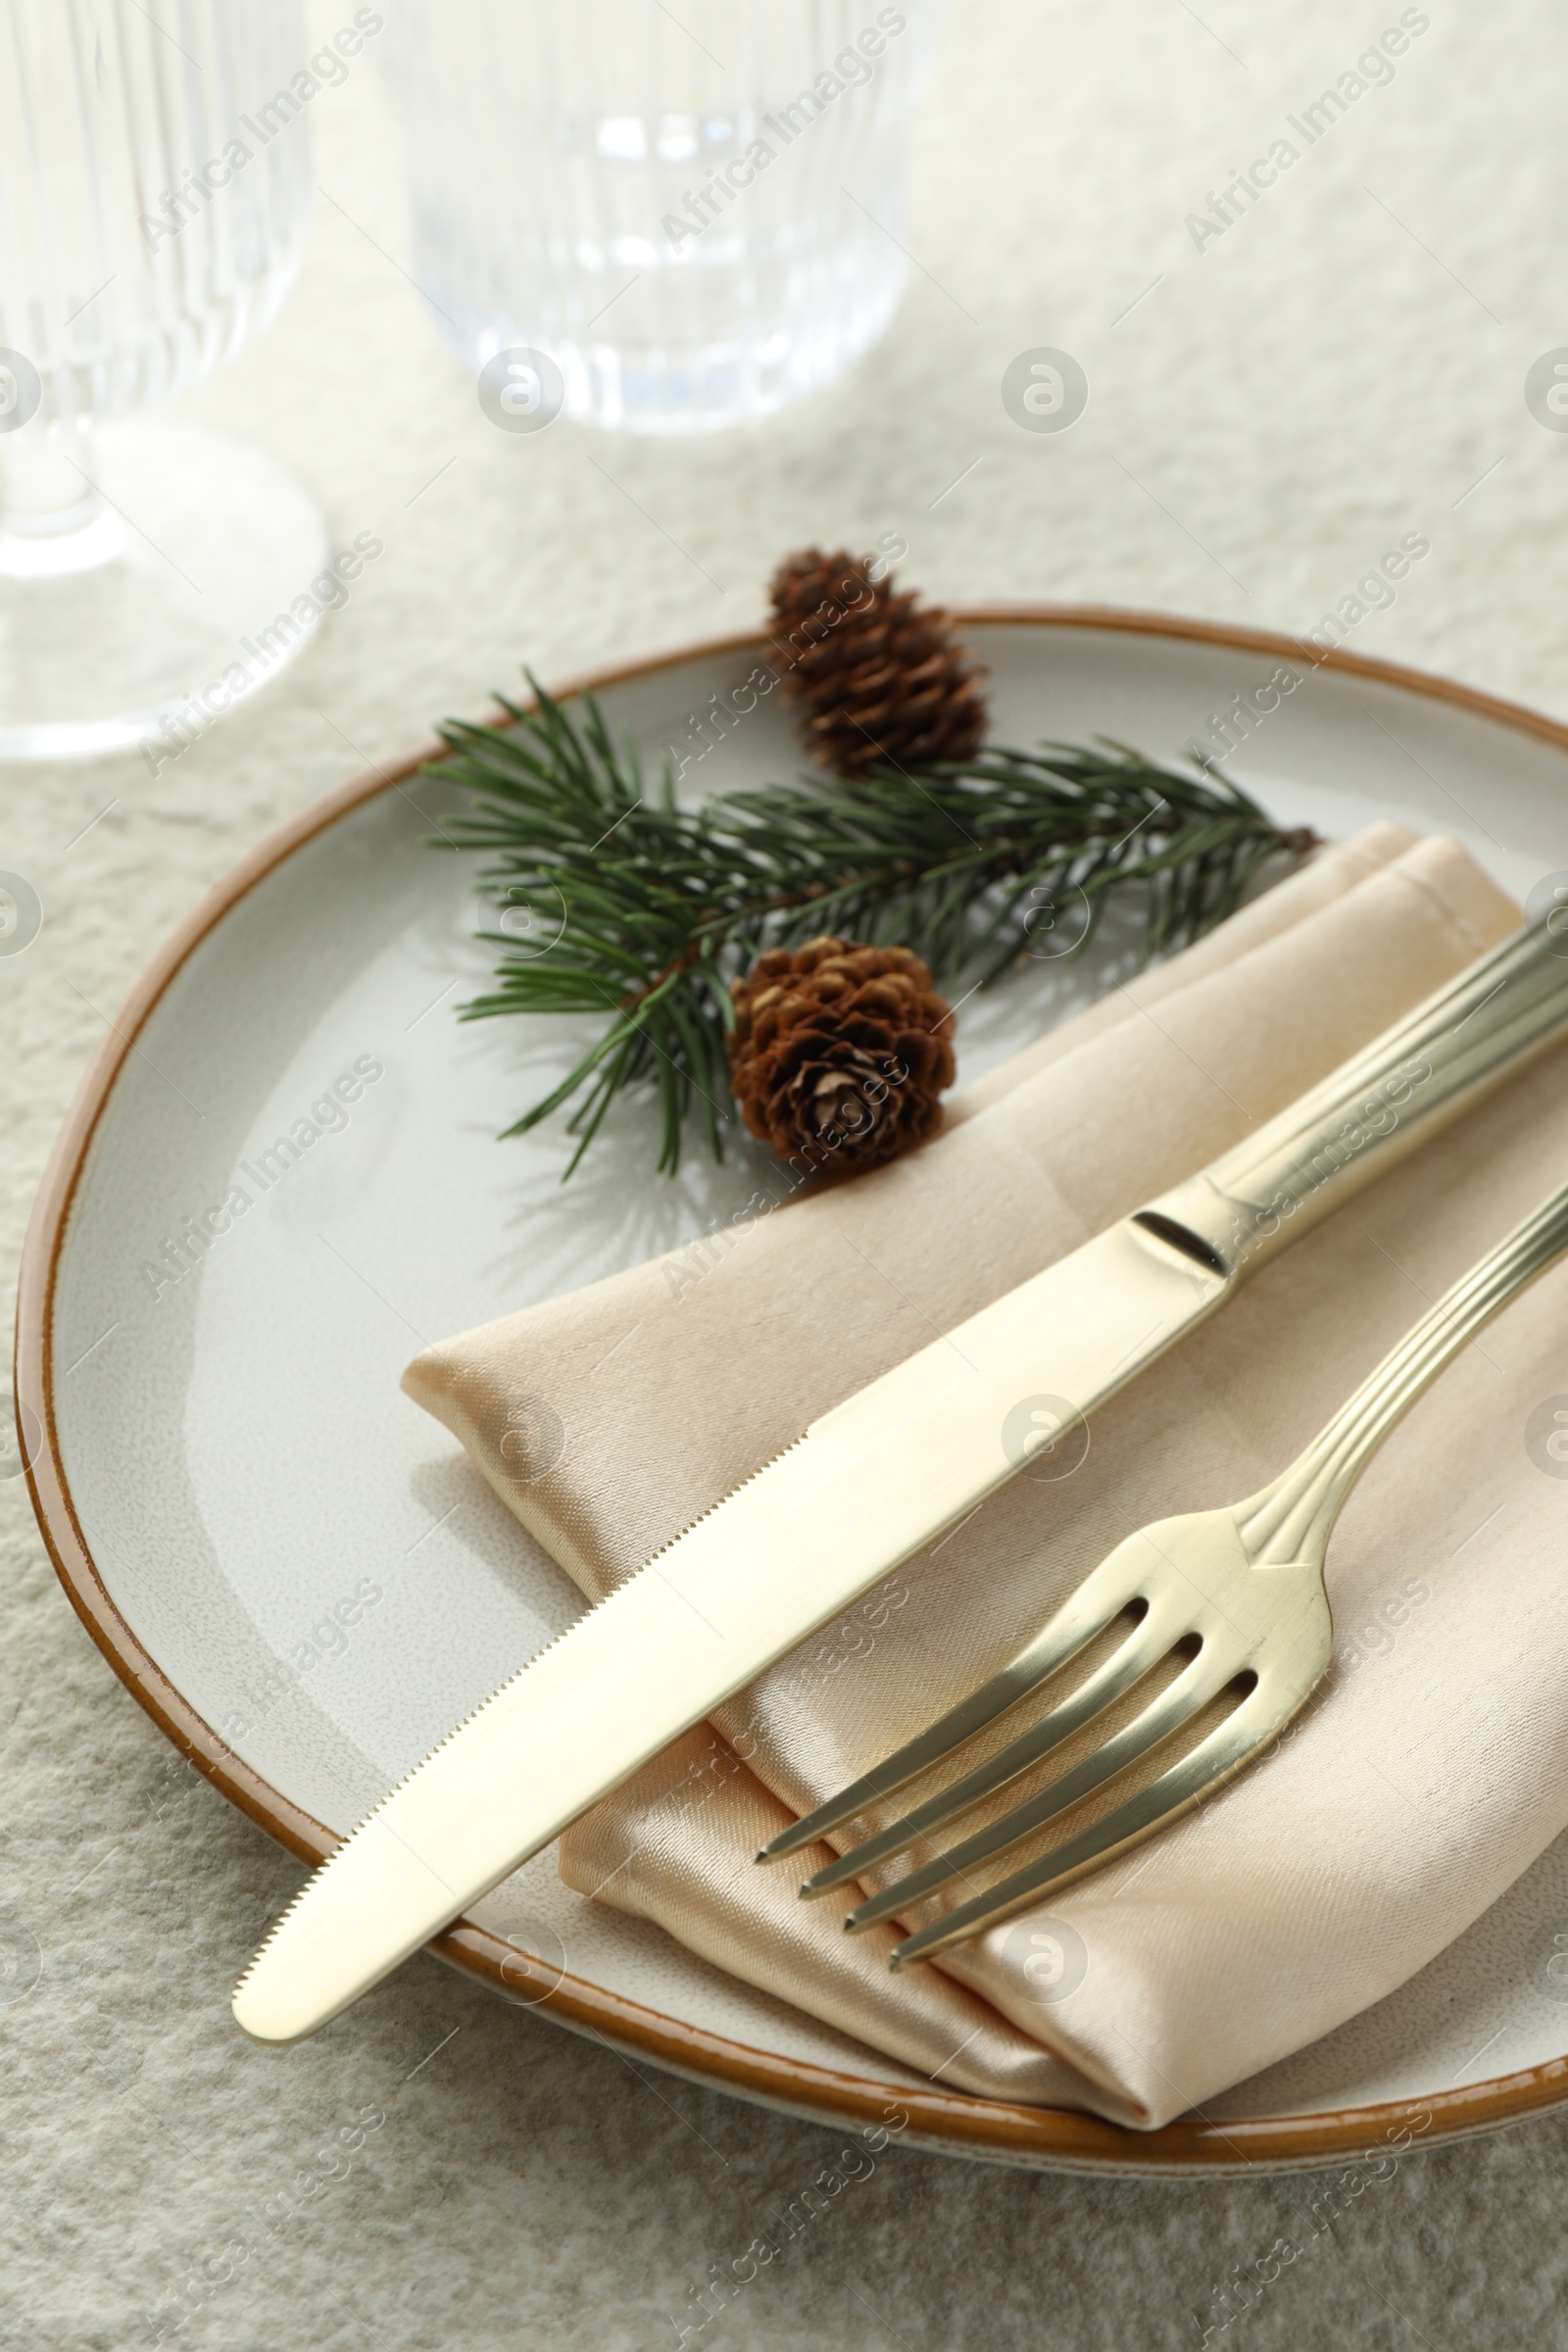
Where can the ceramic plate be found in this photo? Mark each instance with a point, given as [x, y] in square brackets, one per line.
[229, 1479]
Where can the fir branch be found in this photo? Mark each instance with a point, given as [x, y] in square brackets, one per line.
[642, 912]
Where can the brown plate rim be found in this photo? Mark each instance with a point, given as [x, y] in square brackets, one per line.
[952, 2122]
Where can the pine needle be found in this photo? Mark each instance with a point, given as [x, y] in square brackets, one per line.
[640, 912]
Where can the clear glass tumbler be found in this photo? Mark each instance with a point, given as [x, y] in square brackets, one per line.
[666, 220]
[155, 192]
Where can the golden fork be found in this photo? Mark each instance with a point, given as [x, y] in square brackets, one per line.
[1241, 1590]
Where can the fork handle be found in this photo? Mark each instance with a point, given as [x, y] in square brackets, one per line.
[1455, 1046]
[1292, 1518]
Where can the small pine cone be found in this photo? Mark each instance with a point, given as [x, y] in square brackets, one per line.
[880, 680]
[840, 1053]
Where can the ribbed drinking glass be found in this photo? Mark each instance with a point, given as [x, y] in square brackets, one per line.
[666, 220]
[154, 200]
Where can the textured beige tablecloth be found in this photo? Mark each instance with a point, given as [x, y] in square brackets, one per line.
[1402, 1802]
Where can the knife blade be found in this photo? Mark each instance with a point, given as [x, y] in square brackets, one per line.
[867, 1485]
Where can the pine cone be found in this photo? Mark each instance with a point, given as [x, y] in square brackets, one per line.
[879, 679]
[840, 1053]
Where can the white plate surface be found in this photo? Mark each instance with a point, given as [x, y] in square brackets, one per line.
[238, 1449]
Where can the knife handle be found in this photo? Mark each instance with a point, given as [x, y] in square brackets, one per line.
[1454, 1048]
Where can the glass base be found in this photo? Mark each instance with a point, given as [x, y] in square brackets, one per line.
[712, 386]
[148, 582]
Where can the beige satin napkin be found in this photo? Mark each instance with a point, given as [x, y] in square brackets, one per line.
[1431, 1769]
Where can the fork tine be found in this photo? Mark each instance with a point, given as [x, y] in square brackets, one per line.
[1165, 1620]
[1214, 1761]
[1086, 1612]
[1202, 1679]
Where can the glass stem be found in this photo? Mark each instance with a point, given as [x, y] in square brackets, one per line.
[52, 519]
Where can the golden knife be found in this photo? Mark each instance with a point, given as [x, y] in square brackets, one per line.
[868, 1484]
